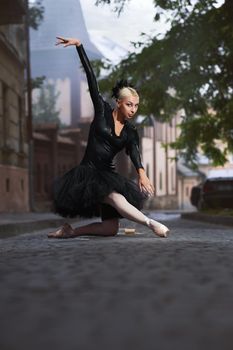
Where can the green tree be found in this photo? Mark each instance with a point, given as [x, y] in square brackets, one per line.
[35, 17]
[36, 13]
[194, 59]
[44, 109]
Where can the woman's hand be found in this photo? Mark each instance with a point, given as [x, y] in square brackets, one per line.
[144, 183]
[67, 41]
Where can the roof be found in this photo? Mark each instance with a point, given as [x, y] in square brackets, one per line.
[63, 139]
[185, 171]
[220, 173]
[69, 131]
[46, 126]
[61, 18]
[110, 49]
[39, 136]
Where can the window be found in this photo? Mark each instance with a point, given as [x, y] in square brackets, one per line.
[46, 189]
[160, 181]
[38, 177]
[7, 184]
[187, 191]
[20, 113]
[5, 112]
[22, 184]
[173, 178]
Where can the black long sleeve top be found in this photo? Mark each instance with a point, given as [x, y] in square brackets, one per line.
[103, 143]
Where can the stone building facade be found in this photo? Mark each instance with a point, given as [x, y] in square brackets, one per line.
[55, 152]
[13, 122]
[159, 161]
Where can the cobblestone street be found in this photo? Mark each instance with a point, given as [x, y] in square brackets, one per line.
[125, 292]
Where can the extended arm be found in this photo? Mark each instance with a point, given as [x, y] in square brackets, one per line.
[132, 149]
[92, 83]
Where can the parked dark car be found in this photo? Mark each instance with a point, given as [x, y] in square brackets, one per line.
[213, 193]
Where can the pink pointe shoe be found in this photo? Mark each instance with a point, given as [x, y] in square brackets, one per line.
[158, 228]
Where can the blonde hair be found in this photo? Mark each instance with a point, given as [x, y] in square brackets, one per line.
[126, 92]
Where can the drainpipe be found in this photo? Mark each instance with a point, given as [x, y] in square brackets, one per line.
[154, 154]
[29, 107]
[166, 158]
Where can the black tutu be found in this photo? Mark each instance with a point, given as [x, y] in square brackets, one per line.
[81, 191]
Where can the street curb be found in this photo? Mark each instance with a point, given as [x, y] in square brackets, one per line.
[214, 219]
[16, 228]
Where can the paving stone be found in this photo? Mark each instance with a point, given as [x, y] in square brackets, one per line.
[124, 292]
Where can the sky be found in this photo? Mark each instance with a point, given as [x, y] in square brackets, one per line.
[136, 18]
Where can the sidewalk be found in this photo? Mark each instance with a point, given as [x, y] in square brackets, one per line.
[12, 224]
[226, 220]
[15, 223]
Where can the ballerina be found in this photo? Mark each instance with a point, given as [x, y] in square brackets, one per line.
[94, 188]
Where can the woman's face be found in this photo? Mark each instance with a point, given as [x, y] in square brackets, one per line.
[128, 106]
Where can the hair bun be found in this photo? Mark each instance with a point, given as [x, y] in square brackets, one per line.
[120, 84]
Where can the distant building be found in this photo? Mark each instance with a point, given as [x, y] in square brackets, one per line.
[110, 50]
[159, 161]
[172, 179]
[55, 152]
[13, 122]
[62, 66]
[187, 178]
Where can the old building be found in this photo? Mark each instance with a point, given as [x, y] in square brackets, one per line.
[55, 152]
[62, 67]
[187, 178]
[13, 129]
[159, 161]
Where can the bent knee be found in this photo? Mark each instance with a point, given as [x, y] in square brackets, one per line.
[111, 227]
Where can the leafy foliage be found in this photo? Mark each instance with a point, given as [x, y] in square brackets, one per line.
[118, 4]
[36, 13]
[38, 82]
[190, 68]
[44, 110]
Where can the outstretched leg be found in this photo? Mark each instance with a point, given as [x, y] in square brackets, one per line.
[105, 228]
[128, 211]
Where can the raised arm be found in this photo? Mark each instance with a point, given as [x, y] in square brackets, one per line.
[92, 83]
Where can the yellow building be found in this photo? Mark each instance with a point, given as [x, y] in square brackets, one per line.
[13, 132]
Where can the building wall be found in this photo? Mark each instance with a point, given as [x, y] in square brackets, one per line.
[161, 171]
[159, 162]
[54, 154]
[86, 105]
[13, 132]
[147, 157]
[63, 64]
[13, 189]
[184, 191]
[63, 103]
[42, 170]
